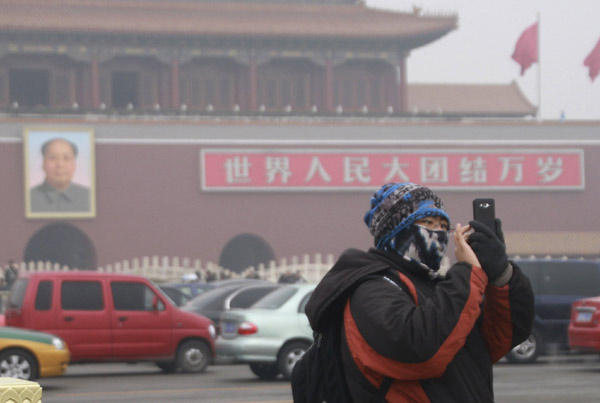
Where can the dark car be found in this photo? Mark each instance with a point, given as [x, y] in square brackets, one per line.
[195, 288]
[238, 295]
[176, 295]
[556, 285]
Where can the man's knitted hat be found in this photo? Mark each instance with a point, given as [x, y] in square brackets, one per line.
[396, 206]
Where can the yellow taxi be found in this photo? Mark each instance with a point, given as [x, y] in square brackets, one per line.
[28, 354]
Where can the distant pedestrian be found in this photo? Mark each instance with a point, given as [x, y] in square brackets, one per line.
[11, 273]
[287, 277]
[252, 274]
[210, 276]
[298, 277]
[290, 277]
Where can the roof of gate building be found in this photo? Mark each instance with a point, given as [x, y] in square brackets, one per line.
[468, 100]
[186, 18]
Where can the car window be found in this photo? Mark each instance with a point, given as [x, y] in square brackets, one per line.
[246, 297]
[17, 293]
[186, 290]
[43, 297]
[570, 278]
[132, 296]
[171, 293]
[211, 299]
[81, 295]
[276, 298]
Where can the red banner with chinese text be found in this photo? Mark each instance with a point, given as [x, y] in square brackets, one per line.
[334, 169]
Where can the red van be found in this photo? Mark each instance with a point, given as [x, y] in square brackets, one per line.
[107, 317]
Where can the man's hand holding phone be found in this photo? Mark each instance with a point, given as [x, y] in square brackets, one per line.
[490, 249]
[487, 241]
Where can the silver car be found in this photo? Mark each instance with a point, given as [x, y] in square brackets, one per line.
[271, 335]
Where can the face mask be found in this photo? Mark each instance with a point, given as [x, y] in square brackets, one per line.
[421, 244]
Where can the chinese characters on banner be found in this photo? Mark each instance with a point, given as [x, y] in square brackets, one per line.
[329, 170]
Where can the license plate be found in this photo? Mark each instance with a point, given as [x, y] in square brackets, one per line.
[584, 317]
[229, 327]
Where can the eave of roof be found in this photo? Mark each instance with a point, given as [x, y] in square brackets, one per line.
[469, 100]
[184, 18]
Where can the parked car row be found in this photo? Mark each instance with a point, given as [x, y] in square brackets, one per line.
[77, 317]
[229, 295]
[103, 317]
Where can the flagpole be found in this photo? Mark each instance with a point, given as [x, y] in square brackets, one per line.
[539, 83]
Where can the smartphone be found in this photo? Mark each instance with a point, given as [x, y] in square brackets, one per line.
[484, 211]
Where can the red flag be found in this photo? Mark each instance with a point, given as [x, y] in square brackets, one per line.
[593, 61]
[526, 49]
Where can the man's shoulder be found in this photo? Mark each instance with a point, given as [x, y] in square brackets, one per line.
[77, 188]
[40, 196]
[41, 187]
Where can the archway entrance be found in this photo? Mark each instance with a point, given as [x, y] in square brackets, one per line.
[245, 250]
[64, 244]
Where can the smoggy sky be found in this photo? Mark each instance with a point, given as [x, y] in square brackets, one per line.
[480, 50]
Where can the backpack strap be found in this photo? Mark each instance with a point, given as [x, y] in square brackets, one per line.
[398, 278]
[405, 283]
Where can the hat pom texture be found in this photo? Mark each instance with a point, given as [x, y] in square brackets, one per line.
[396, 206]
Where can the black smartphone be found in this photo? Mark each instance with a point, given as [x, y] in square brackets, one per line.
[484, 211]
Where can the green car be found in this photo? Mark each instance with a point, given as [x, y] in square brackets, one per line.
[271, 335]
[28, 354]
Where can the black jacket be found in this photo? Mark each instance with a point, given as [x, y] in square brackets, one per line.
[436, 339]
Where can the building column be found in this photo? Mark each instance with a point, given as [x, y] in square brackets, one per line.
[402, 87]
[175, 82]
[95, 81]
[329, 85]
[252, 84]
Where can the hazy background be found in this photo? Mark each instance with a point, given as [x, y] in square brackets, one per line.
[480, 50]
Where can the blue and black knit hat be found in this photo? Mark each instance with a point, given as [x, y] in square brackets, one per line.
[396, 206]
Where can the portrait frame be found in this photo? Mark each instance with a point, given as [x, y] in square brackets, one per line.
[84, 176]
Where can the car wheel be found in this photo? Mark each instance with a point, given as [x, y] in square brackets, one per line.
[18, 364]
[528, 351]
[193, 356]
[265, 371]
[169, 367]
[289, 355]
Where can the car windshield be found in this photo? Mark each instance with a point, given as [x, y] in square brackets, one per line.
[275, 299]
